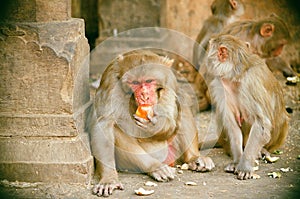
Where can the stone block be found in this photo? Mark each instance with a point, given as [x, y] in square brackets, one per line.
[37, 159]
[44, 74]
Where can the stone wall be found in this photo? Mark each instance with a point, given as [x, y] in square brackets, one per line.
[120, 15]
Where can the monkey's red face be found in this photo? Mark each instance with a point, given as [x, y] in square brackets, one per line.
[144, 92]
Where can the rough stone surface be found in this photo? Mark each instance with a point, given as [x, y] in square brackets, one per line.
[38, 10]
[45, 82]
[44, 98]
[50, 159]
[127, 14]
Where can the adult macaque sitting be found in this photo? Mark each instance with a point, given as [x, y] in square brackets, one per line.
[142, 122]
[249, 103]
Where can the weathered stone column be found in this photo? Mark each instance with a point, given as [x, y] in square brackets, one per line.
[44, 94]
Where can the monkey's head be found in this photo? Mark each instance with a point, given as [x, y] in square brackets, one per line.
[148, 77]
[275, 36]
[227, 8]
[227, 56]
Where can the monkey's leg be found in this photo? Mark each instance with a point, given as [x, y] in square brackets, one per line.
[132, 156]
[236, 143]
[186, 142]
[102, 144]
[259, 136]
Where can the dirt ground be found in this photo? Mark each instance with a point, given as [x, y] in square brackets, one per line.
[214, 184]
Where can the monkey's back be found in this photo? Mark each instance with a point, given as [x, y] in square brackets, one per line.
[265, 101]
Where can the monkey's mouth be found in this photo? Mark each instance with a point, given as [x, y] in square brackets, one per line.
[144, 111]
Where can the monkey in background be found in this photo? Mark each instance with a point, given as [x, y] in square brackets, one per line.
[250, 109]
[141, 122]
[224, 12]
[267, 38]
[279, 64]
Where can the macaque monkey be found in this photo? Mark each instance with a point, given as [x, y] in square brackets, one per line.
[142, 122]
[267, 37]
[280, 64]
[224, 12]
[187, 74]
[248, 100]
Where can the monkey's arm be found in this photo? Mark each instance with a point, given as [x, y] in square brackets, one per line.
[102, 144]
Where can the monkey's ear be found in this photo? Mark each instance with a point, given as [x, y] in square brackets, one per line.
[248, 44]
[222, 53]
[267, 29]
[233, 4]
[167, 61]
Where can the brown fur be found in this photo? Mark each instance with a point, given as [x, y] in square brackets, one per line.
[121, 140]
[249, 103]
[224, 12]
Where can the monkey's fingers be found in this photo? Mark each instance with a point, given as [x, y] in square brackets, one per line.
[106, 189]
[163, 174]
[230, 168]
[141, 121]
[202, 164]
[244, 175]
[152, 119]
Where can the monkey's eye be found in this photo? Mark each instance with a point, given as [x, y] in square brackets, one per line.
[149, 80]
[135, 82]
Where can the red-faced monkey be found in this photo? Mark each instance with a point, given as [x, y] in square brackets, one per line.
[142, 122]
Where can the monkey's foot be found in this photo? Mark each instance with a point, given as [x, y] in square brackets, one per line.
[163, 173]
[230, 168]
[106, 189]
[202, 164]
[244, 170]
[264, 153]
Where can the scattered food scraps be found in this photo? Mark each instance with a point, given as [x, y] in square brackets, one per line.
[284, 170]
[278, 152]
[255, 176]
[190, 183]
[150, 184]
[271, 159]
[185, 166]
[293, 79]
[180, 172]
[274, 175]
[143, 192]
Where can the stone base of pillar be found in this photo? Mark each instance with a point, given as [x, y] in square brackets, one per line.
[32, 159]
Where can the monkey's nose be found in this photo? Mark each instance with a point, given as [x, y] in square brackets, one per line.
[144, 96]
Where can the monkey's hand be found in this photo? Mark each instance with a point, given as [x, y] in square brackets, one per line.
[144, 123]
[163, 173]
[106, 188]
[159, 121]
[202, 164]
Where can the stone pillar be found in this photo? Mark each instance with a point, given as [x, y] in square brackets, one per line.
[44, 94]
[185, 16]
